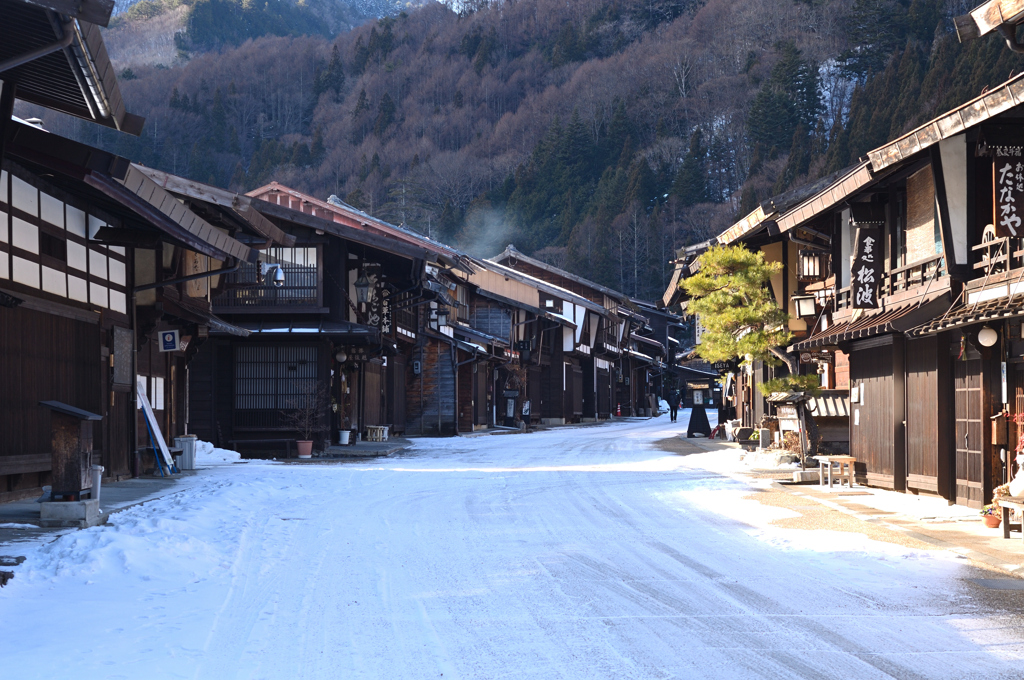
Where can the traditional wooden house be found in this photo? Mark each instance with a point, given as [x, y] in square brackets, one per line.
[428, 356]
[562, 342]
[543, 323]
[615, 371]
[96, 261]
[905, 265]
[340, 310]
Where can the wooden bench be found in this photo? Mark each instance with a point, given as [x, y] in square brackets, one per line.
[845, 463]
[377, 433]
[1005, 504]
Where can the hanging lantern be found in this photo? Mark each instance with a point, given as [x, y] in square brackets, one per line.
[812, 265]
[362, 288]
[987, 336]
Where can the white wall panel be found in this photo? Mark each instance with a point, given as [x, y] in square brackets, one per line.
[51, 210]
[25, 272]
[98, 295]
[117, 271]
[25, 235]
[954, 174]
[55, 282]
[118, 302]
[78, 289]
[77, 256]
[76, 221]
[97, 264]
[24, 196]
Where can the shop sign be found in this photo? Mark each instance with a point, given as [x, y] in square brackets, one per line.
[170, 341]
[1009, 188]
[510, 394]
[730, 366]
[787, 411]
[820, 357]
[385, 311]
[371, 271]
[867, 267]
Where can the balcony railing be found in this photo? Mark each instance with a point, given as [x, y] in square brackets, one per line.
[902, 279]
[999, 255]
[301, 289]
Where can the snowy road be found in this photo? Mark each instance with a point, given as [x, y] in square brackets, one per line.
[577, 553]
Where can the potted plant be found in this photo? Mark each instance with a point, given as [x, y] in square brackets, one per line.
[308, 414]
[991, 515]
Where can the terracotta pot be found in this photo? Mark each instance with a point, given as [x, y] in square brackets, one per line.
[991, 521]
[305, 447]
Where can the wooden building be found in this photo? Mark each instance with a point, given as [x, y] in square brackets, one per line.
[97, 262]
[614, 372]
[926, 336]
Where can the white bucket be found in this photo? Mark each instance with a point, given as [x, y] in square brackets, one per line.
[343, 436]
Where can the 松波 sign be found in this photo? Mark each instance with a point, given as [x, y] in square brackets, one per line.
[867, 268]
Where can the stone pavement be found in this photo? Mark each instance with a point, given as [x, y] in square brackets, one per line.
[861, 510]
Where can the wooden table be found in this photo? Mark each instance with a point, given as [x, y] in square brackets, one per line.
[1005, 503]
[845, 464]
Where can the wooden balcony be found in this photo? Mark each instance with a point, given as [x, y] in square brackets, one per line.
[918, 278]
[242, 292]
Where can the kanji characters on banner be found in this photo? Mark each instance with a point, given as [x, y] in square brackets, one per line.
[867, 268]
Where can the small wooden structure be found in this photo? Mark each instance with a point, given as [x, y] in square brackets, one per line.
[843, 464]
[71, 450]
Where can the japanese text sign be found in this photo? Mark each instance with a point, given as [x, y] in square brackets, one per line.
[867, 268]
[1008, 182]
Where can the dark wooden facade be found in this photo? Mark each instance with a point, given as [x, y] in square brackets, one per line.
[877, 416]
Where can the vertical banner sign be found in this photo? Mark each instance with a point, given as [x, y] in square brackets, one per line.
[698, 329]
[867, 268]
[374, 310]
[1009, 187]
[385, 311]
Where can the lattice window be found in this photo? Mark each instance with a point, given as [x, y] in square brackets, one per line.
[272, 378]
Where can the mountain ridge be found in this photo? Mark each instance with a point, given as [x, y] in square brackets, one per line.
[597, 135]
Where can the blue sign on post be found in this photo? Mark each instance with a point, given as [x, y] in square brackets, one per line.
[169, 341]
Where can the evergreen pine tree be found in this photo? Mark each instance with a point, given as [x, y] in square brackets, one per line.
[691, 185]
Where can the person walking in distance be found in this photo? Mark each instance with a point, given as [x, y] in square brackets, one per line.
[673, 404]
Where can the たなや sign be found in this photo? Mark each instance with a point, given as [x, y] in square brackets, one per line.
[867, 268]
[1008, 182]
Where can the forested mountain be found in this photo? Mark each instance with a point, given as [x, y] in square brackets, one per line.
[597, 134]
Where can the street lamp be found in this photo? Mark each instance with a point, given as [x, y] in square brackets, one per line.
[362, 288]
[805, 305]
[987, 336]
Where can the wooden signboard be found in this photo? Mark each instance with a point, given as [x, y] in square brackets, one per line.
[867, 268]
[1008, 184]
[820, 357]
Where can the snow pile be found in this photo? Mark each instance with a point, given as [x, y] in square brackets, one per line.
[208, 454]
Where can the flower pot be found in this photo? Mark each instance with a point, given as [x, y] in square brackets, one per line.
[305, 447]
[992, 521]
[343, 436]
